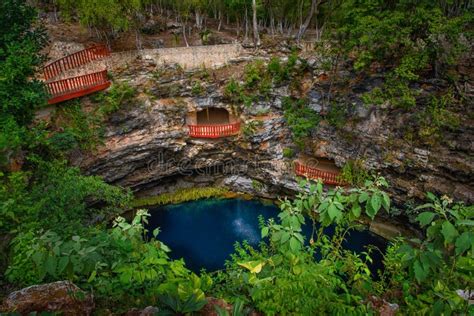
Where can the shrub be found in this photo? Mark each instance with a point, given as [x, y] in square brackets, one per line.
[197, 88]
[85, 128]
[436, 117]
[300, 119]
[250, 128]
[337, 115]
[354, 173]
[121, 267]
[55, 195]
[120, 94]
[233, 91]
[288, 152]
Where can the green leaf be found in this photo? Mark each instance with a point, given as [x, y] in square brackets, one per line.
[449, 232]
[356, 209]
[63, 261]
[50, 265]
[369, 210]
[376, 202]
[92, 276]
[465, 222]
[333, 211]
[464, 242]
[431, 196]
[420, 273]
[295, 245]
[265, 231]
[425, 218]
[285, 236]
[364, 196]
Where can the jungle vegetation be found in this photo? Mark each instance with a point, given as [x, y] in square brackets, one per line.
[57, 219]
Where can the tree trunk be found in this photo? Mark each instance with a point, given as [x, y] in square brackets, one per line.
[256, 37]
[184, 35]
[220, 21]
[199, 19]
[307, 21]
[138, 39]
[246, 26]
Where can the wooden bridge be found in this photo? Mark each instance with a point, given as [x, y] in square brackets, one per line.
[214, 131]
[327, 177]
[78, 86]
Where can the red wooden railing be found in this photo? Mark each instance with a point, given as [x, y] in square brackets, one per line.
[326, 176]
[214, 131]
[70, 88]
[75, 60]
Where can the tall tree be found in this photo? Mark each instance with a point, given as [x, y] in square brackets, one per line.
[20, 43]
[256, 36]
[303, 27]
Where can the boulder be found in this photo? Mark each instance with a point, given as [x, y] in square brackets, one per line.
[210, 310]
[62, 296]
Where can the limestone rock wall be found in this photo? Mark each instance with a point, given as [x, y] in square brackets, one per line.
[148, 149]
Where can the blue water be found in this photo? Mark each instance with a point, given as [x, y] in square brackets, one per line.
[204, 232]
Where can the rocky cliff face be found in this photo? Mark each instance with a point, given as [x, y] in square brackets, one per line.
[147, 147]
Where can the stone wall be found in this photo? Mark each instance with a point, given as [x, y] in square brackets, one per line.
[186, 57]
[194, 56]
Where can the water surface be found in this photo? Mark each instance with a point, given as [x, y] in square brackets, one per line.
[204, 232]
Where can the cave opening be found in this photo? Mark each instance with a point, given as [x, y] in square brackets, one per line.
[213, 116]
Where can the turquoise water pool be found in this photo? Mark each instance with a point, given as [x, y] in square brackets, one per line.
[204, 232]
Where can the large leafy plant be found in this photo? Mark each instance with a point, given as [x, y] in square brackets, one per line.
[120, 265]
[441, 264]
[283, 276]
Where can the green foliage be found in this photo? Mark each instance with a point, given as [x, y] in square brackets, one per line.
[257, 185]
[409, 38]
[118, 264]
[253, 74]
[336, 115]
[85, 129]
[283, 277]
[291, 70]
[205, 35]
[233, 91]
[180, 196]
[55, 195]
[250, 128]
[78, 128]
[258, 79]
[440, 264]
[300, 118]
[288, 152]
[197, 88]
[354, 173]
[119, 95]
[20, 44]
[437, 117]
[105, 14]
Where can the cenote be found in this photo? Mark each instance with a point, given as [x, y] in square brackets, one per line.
[204, 232]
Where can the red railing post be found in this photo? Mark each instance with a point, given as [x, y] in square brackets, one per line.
[65, 89]
[74, 60]
[214, 131]
[315, 173]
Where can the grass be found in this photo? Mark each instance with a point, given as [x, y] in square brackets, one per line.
[183, 195]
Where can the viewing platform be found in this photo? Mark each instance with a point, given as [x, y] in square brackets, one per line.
[74, 87]
[71, 88]
[323, 170]
[214, 131]
[75, 60]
